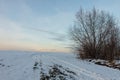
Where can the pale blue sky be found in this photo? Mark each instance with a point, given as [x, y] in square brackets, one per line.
[43, 24]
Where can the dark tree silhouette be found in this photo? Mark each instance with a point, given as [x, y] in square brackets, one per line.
[96, 35]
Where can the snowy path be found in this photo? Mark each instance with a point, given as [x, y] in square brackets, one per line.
[19, 66]
[86, 74]
[81, 71]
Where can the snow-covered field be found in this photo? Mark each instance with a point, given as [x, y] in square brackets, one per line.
[18, 65]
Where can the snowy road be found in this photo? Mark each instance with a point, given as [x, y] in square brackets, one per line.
[19, 66]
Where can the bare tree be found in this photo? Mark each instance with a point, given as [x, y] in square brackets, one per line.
[95, 35]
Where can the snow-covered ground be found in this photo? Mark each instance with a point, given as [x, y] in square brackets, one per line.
[19, 65]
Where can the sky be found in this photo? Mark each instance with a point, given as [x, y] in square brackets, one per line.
[42, 25]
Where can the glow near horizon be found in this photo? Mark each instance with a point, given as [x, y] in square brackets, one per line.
[19, 17]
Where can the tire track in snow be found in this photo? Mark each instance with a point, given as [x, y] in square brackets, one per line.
[79, 70]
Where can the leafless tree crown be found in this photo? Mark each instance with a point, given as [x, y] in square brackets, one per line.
[96, 35]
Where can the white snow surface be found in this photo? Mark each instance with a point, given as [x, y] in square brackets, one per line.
[18, 65]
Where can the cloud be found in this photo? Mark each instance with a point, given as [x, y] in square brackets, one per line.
[21, 27]
[12, 17]
[9, 28]
[57, 22]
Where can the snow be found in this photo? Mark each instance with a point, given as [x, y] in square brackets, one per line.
[20, 65]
